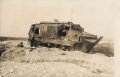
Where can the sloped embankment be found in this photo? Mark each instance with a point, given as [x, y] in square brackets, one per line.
[52, 62]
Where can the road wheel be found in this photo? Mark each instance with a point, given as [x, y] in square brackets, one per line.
[84, 48]
[69, 48]
[36, 43]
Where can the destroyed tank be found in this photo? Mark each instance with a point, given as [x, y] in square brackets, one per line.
[63, 35]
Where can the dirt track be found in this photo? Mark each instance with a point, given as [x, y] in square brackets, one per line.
[52, 62]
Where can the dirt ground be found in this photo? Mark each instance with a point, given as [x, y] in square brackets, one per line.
[53, 62]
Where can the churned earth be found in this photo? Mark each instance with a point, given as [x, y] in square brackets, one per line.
[53, 62]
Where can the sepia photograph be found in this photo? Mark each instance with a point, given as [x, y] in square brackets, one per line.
[57, 38]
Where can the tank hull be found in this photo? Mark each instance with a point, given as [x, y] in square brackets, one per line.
[67, 36]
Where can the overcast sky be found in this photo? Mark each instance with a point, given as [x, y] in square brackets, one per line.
[96, 16]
